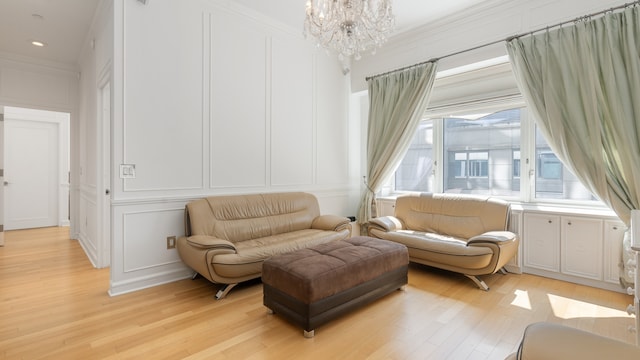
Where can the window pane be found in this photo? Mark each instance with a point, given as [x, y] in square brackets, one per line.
[516, 164]
[553, 179]
[415, 173]
[489, 143]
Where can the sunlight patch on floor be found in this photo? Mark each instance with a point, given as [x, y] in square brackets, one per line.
[567, 308]
[522, 299]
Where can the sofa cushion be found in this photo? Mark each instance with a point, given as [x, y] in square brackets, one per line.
[449, 214]
[251, 253]
[441, 249]
[244, 217]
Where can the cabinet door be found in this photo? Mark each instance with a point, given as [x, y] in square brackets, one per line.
[582, 247]
[541, 240]
[386, 207]
[613, 236]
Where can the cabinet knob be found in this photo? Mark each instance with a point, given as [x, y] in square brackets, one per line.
[569, 223]
[631, 329]
[631, 309]
[615, 228]
[550, 221]
[631, 290]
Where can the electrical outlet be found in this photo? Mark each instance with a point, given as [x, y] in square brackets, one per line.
[171, 242]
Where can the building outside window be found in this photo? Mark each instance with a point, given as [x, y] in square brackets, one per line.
[486, 153]
[479, 150]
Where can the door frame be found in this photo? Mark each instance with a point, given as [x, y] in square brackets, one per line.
[104, 187]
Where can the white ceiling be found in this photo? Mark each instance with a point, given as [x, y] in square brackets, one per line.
[408, 13]
[64, 24]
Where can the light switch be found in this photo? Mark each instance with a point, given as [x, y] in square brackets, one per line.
[127, 171]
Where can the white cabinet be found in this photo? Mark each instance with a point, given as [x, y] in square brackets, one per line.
[541, 241]
[613, 236]
[385, 207]
[581, 247]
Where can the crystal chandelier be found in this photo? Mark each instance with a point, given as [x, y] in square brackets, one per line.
[349, 27]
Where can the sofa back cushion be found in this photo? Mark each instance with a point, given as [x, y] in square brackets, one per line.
[458, 215]
[245, 217]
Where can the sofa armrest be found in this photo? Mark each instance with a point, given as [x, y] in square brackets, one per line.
[330, 222]
[211, 243]
[495, 237]
[554, 341]
[386, 223]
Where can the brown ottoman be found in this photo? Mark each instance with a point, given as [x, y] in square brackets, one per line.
[312, 286]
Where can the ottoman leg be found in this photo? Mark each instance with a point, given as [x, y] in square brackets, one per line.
[309, 334]
[270, 312]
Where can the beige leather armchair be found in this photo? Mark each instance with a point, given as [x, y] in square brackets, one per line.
[548, 341]
[228, 237]
[456, 232]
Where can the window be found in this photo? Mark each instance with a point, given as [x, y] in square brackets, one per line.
[478, 164]
[487, 153]
[553, 179]
[516, 164]
[479, 152]
[416, 171]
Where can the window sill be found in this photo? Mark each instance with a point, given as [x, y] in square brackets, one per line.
[553, 208]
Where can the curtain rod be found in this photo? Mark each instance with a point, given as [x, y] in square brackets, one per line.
[560, 24]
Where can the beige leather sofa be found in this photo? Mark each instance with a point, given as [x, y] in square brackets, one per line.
[548, 341]
[457, 232]
[228, 237]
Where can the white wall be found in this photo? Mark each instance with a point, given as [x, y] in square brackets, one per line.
[95, 62]
[210, 98]
[485, 23]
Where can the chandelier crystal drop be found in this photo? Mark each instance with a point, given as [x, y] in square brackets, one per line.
[350, 27]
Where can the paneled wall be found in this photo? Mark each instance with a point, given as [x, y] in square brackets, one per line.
[211, 98]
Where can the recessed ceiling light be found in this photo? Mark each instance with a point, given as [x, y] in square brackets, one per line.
[38, 43]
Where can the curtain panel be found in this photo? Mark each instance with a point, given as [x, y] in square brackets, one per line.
[582, 83]
[397, 102]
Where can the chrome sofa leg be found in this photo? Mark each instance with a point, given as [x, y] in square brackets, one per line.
[224, 291]
[503, 271]
[195, 275]
[481, 284]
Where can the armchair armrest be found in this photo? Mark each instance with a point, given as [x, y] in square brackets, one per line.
[386, 223]
[495, 237]
[330, 222]
[211, 243]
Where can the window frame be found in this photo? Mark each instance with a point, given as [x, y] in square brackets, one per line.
[528, 166]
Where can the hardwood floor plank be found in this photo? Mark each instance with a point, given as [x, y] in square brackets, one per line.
[54, 305]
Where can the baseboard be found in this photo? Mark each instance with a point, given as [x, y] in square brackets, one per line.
[576, 280]
[131, 285]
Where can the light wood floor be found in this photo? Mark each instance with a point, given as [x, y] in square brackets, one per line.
[54, 305]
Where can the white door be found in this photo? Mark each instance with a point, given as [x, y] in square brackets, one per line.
[30, 174]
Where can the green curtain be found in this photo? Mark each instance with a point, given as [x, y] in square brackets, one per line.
[582, 83]
[397, 102]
